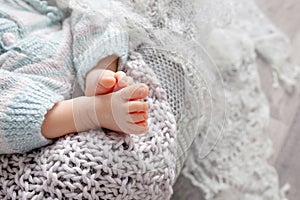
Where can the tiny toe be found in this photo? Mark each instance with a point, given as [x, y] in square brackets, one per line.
[138, 117]
[142, 123]
[137, 106]
[119, 75]
[139, 128]
[108, 82]
[134, 92]
[125, 81]
[107, 73]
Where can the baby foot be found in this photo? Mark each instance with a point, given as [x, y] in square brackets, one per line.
[123, 111]
[101, 81]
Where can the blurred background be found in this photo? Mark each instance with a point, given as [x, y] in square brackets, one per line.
[284, 126]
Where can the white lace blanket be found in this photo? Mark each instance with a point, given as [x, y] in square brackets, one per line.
[237, 167]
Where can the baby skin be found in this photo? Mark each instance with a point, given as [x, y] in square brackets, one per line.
[112, 101]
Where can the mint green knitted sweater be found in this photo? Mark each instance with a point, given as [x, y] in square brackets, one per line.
[43, 53]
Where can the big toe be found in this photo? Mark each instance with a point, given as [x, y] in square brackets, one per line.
[135, 92]
[108, 82]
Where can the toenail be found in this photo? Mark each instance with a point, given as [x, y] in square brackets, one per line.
[146, 106]
[141, 90]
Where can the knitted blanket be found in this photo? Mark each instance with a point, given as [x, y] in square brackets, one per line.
[99, 165]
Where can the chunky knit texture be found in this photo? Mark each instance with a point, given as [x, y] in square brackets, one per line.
[42, 53]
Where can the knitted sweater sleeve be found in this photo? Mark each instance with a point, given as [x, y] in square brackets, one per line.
[24, 101]
[94, 38]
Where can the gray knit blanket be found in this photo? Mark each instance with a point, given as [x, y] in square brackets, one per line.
[98, 164]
